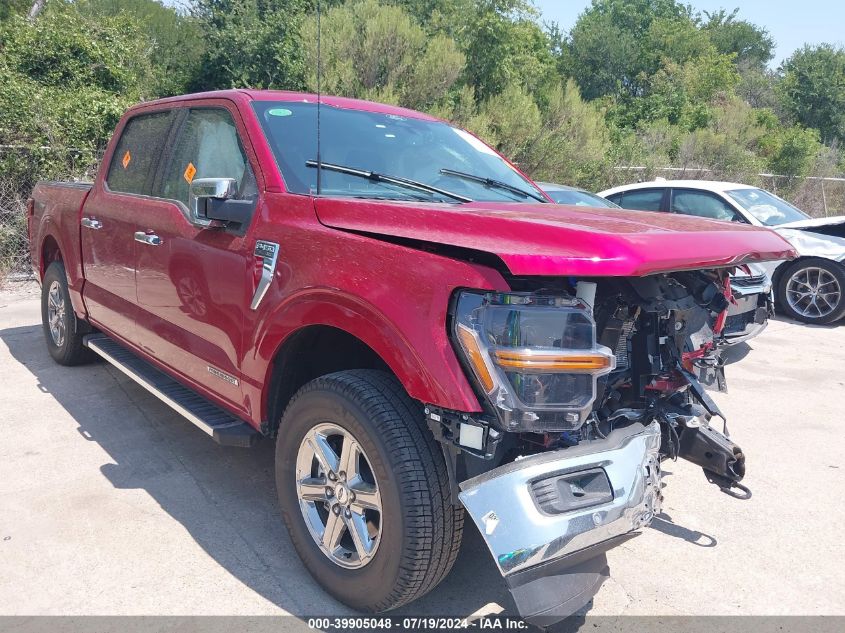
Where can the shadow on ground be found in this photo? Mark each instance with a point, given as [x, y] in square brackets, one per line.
[224, 497]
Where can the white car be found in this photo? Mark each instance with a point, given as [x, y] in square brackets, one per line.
[752, 289]
[810, 288]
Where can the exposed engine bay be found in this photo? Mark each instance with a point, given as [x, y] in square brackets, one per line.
[548, 387]
[587, 385]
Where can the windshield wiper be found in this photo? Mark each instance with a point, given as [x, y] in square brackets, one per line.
[491, 182]
[393, 180]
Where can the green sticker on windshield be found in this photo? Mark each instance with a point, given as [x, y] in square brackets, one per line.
[279, 112]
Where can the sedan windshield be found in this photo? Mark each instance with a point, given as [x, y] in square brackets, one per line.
[395, 148]
[767, 207]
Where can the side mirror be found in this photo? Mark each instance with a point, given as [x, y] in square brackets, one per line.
[203, 190]
[211, 202]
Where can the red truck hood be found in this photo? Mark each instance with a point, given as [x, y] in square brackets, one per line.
[548, 239]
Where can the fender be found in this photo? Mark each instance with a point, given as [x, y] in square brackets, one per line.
[73, 266]
[430, 372]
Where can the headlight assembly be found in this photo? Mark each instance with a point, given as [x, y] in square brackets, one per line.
[535, 357]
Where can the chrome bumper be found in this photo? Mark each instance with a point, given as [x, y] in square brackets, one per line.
[520, 535]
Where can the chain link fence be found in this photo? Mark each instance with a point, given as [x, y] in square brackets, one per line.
[14, 246]
[20, 169]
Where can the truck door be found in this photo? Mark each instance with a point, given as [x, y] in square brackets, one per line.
[109, 218]
[194, 281]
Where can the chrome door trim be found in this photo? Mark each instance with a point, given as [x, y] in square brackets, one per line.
[91, 223]
[148, 238]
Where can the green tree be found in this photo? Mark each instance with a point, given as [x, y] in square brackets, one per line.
[506, 45]
[65, 79]
[251, 44]
[380, 52]
[514, 121]
[613, 49]
[751, 44]
[9, 8]
[503, 38]
[175, 39]
[788, 150]
[758, 87]
[813, 89]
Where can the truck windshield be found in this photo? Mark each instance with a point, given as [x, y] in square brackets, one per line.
[397, 146]
[767, 207]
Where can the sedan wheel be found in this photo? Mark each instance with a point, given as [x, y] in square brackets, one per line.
[812, 291]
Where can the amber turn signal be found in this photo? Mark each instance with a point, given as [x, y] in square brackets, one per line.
[509, 359]
[476, 357]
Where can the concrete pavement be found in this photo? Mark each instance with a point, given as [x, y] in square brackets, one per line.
[111, 504]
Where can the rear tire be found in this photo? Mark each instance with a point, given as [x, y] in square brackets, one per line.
[63, 331]
[412, 540]
[812, 290]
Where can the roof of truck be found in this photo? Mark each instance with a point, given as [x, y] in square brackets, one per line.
[241, 95]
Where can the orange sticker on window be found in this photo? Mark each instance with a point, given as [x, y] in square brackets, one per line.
[190, 172]
[126, 158]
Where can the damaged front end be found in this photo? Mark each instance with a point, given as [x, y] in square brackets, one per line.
[541, 514]
[587, 386]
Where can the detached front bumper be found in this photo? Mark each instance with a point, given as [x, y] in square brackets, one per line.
[549, 518]
[748, 317]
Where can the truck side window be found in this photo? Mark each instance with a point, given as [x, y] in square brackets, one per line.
[137, 152]
[208, 147]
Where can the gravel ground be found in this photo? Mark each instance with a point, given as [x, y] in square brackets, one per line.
[111, 504]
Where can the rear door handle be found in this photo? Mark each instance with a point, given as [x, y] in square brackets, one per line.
[91, 223]
[147, 238]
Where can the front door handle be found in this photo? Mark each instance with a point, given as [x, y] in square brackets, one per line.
[147, 238]
[91, 223]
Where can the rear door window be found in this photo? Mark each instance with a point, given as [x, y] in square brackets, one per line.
[642, 199]
[702, 204]
[208, 147]
[141, 144]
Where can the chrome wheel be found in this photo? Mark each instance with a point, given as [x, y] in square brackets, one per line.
[56, 313]
[813, 292]
[338, 496]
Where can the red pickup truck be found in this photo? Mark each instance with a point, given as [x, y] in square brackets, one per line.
[418, 326]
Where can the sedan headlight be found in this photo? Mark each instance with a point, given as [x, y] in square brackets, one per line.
[535, 357]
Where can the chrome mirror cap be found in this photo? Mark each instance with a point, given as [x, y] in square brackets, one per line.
[202, 189]
[214, 188]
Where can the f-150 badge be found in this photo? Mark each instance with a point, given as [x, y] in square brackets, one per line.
[268, 253]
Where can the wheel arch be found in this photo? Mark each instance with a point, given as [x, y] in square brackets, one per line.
[348, 333]
[308, 353]
[50, 252]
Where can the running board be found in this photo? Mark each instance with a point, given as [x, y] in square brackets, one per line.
[225, 428]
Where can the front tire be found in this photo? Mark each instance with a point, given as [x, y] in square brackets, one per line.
[364, 491]
[813, 291]
[62, 330]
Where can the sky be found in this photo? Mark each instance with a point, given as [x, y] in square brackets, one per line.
[791, 23]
